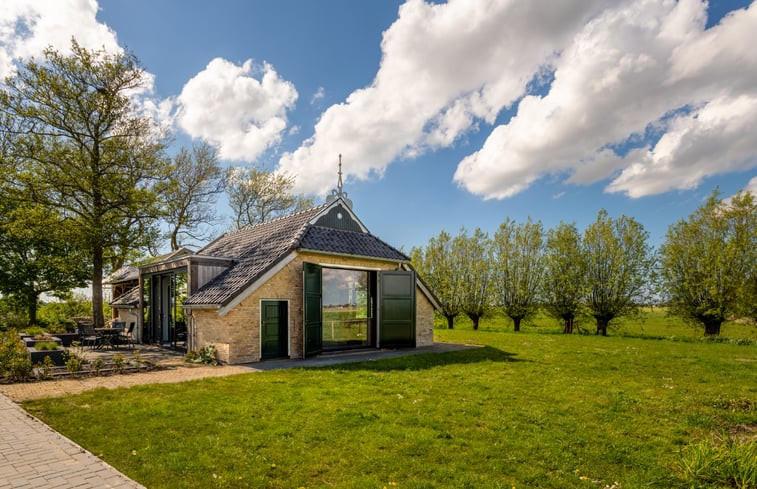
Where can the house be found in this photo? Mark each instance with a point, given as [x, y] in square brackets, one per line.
[311, 282]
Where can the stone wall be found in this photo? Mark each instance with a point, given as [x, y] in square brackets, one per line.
[236, 335]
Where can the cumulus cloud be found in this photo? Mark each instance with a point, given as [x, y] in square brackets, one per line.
[634, 66]
[444, 67]
[227, 106]
[623, 74]
[28, 27]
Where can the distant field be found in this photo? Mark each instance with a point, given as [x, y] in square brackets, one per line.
[653, 322]
[526, 410]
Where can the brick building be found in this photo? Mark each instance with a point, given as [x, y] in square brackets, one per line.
[311, 282]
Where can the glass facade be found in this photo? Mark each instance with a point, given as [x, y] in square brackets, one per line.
[164, 319]
[348, 308]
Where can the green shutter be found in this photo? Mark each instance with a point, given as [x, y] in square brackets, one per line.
[313, 310]
[397, 308]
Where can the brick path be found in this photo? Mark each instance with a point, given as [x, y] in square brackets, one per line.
[34, 456]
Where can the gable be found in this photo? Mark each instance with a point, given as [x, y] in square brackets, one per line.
[339, 217]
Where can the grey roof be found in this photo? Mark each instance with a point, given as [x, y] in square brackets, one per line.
[129, 298]
[348, 243]
[258, 248]
[123, 274]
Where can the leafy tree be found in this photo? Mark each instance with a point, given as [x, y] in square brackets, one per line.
[563, 285]
[439, 266]
[80, 148]
[257, 195]
[475, 273]
[194, 183]
[619, 265]
[34, 260]
[518, 268]
[709, 260]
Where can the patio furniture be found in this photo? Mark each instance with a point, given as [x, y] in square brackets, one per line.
[87, 335]
[107, 337]
[126, 337]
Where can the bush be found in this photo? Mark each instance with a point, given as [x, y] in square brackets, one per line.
[14, 358]
[56, 316]
[206, 356]
[46, 345]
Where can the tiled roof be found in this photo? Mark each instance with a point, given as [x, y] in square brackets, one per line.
[128, 298]
[258, 248]
[123, 274]
[348, 243]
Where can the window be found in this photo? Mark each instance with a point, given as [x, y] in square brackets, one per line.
[347, 309]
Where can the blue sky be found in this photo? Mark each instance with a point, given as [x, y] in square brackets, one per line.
[447, 114]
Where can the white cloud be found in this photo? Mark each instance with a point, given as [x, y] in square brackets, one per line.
[226, 106]
[635, 65]
[28, 27]
[443, 68]
[318, 95]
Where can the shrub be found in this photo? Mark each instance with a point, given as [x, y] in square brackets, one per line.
[14, 358]
[46, 345]
[44, 369]
[118, 363]
[74, 363]
[206, 356]
[97, 365]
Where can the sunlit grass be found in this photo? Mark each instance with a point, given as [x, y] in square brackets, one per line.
[528, 409]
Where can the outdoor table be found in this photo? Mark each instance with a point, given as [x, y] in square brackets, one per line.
[108, 337]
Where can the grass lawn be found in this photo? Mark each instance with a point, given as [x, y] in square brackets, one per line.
[529, 409]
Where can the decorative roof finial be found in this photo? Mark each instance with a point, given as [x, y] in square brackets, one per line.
[339, 183]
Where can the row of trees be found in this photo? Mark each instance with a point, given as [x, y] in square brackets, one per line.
[86, 185]
[705, 271]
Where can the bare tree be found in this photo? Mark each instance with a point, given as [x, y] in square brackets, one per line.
[191, 191]
[257, 195]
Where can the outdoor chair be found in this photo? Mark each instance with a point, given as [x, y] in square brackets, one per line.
[88, 336]
[126, 337]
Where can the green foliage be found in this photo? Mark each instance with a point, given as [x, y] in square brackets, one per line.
[44, 369]
[74, 362]
[96, 366]
[518, 268]
[475, 274]
[563, 286]
[46, 345]
[11, 315]
[56, 316]
[620, 268]
[206, 356]
[15, 363]
[720, 462]
[119, 363]
[439, 265]
[83, 154]
[32, 259]
[709, 262]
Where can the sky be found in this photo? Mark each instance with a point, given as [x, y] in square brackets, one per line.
[446, 114]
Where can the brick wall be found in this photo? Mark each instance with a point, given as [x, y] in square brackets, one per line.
[236, 335]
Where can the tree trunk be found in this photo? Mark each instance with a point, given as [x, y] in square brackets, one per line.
[712, 327]
[32, 307]
[475, 320]
[175, 239]
[450, 322]
[516, 324]
[97, 286]
[602, 326]
[568, 329]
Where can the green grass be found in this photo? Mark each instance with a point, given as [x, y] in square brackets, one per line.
[528, 409]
